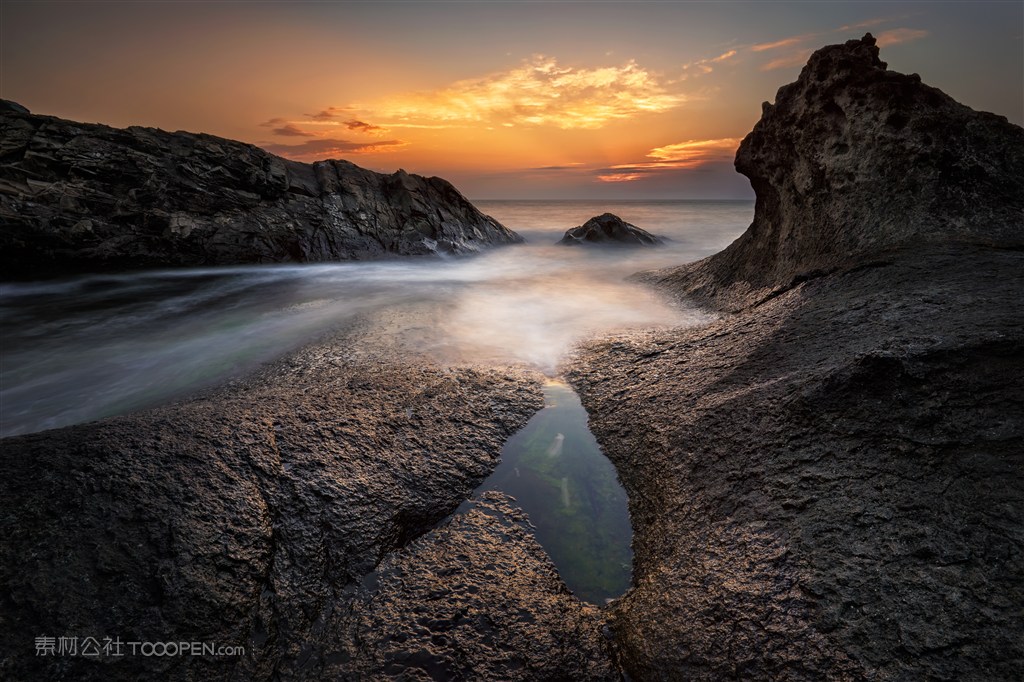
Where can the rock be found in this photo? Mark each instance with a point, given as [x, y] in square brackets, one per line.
[249, 516]
[159, 199]
[476, 599]
[829, 483]
[852, 162]
[609, 229]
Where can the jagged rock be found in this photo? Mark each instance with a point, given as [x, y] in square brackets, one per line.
[609, 229]
[247, 516]
[158, 199]
[851, 162]
[829, 483]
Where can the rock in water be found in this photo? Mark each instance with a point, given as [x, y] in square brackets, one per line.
[852, 161]
[611, 230]
[77, 197]
[829, 483]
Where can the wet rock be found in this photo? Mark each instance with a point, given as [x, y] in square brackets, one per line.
[476, 599]
[159, 199]
[853, 161]
[609, 229]
[828, 483]
[246, 516]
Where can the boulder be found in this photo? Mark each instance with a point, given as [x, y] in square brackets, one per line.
[79, 197]
[609, 230]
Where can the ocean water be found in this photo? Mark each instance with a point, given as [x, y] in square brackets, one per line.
[89, 347]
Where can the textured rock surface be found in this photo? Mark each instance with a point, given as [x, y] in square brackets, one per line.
[829, 483]
[476, 599]
[609, 229]
[78, 197]
[852, 160]
[246, 516]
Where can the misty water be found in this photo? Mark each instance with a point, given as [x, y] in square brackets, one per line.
[90, 347]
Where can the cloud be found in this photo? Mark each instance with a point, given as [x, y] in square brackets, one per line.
[702, 67]
[785, 42]
[795, 58]
[539, 92]
[689, 155]
[364, 127]
[564, 167]
[286, 128]
[862, 24]
[328, 113]
[899, 35]
[327, 148]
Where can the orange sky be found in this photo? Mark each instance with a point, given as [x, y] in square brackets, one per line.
[507, 100]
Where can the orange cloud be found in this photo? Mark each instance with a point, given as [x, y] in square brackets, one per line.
[703, 66]
[536, 93]
[620, 177]
[785, 42]
[694, 152]
[796, 58]
[679, 156]
[899, 35]
[331, 148]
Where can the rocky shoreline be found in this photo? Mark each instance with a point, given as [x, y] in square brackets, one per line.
[828, 483]
[80, 197]
[825, 483]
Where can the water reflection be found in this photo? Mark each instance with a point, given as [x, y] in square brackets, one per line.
[556, 471]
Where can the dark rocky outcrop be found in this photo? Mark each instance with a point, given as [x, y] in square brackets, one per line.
[851, 161]
[77, 197]
[249, 517]
[829, 483]
[476, 599]
[610, 230]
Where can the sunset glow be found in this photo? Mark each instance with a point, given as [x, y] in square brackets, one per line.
[553, 99]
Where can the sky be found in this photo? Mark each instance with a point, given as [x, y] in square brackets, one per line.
[508, 100]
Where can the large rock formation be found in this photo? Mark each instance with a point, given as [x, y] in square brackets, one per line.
[852, 161]
[829, 483]
[609, 229]
[80, 197]
[252, 516]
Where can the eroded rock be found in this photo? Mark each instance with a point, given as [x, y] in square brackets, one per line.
[245, 516]
[159, 199]
[853, 161]
[476, 599]
[609, 230]
[828, 484]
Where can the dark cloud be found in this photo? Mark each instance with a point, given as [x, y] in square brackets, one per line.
[327, 114]
[568, 167]
[282, 127]
[362, 126]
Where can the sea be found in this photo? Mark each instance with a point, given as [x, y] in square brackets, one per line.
[88, 347]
